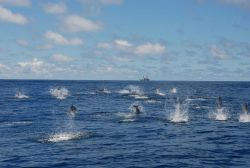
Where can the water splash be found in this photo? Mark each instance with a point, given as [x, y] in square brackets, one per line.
[124, 91]
[173, 90]
[135, 90]
[158, 92]
[21, 95]
[180, 114]
[104, 90]
[220, 114]
[133, 114]
[244, 117]
[59, 93]
[65, 136]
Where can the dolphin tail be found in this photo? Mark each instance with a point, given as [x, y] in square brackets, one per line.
[219, 102]
[245, 108]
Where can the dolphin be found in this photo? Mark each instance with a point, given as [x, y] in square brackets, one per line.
[245, 108]
[219, 102]
[137, 109]
[73, 109]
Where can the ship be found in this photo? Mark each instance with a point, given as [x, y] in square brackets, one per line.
[145, 78]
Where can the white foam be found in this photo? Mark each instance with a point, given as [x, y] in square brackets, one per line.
[140, 97]
[180, 114]
[20, 95]
[65, 136]
[127, 117]
[173, 90]
[244, 117]
[124, 91]
[19, 123]
[59, 93]
[135, 90]
[158, 92]
[219, 114]
[152, 101]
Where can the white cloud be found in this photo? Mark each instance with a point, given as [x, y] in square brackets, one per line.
[150, 48]
[217, 53]
[59, 39]
[75, 23]
[21, 3]
[22, 43]
[61, 58]
[3, 68]
[122, 43]
[104, 45]
[35, 66]
[55, 8]
[8, 16]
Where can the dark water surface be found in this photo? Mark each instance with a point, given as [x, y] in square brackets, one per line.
[39, 131]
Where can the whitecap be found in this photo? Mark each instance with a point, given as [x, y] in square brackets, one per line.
[65, 136]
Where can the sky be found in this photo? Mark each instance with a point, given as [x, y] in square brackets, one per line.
[197, 40]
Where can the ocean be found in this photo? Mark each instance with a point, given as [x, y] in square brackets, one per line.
[177, 124]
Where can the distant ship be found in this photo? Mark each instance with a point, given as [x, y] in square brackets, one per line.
[145, 78]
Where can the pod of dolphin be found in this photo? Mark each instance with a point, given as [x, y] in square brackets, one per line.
[136, 108]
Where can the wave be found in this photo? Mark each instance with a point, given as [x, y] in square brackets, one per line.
[59, 93]
[20, 95]
[152, 101]
[124, 91]
[65, 136]
[14, 123]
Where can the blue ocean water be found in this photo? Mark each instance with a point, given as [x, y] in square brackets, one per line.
[39, 131]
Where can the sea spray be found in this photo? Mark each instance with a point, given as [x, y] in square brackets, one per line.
[21, 95]
[219, 114]
[159, 93]
[59, 93]
[180, 111]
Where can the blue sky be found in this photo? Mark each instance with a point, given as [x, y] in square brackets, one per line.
[125, 39]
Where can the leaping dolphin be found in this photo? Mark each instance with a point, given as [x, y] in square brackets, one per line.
[219, 102]
[137, 109]
[245, 108]
[73, 109]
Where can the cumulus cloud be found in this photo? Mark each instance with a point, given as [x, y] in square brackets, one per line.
[61, 58]
[8, 16]
[75, 23]
[3, 68]
[55, 8]
[141, 50]
[122, 43]
[150, 48]
[59, 39]
[35, 66]
[21, 3]
[218, 53]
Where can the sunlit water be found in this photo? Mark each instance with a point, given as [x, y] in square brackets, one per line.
[39, 131]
